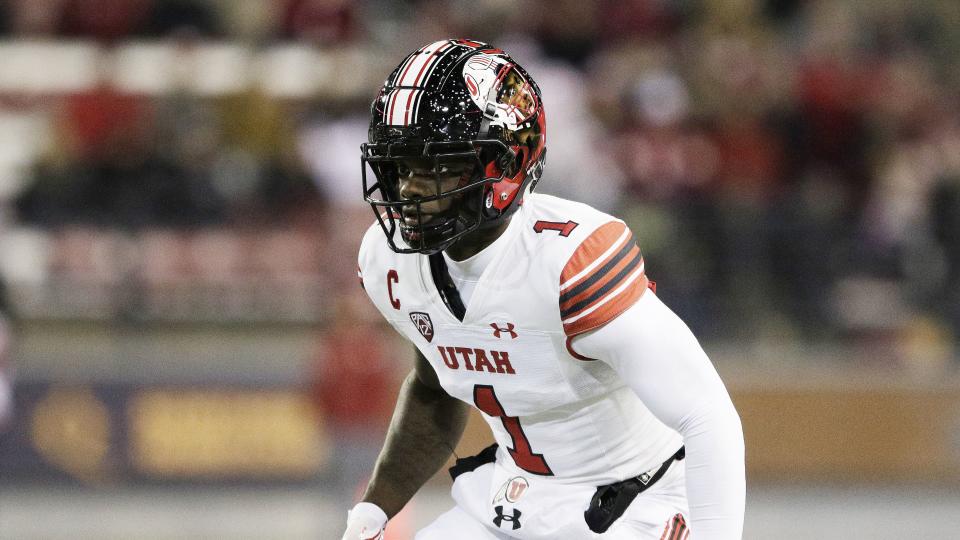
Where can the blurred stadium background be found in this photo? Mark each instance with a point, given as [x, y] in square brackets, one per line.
[184, 351]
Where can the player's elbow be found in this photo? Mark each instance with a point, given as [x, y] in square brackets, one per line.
[734, 426]
[727, 419]
[715, 417]
[728, 416]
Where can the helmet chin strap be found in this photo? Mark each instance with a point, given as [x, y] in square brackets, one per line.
[536, 171]
[489, 115]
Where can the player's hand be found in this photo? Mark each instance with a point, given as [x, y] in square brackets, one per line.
[365, 521]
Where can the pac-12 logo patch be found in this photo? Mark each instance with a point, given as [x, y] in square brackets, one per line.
[423, 323]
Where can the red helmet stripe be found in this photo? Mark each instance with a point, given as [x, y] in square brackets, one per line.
[406, 112]
[406, 66]
[422, 61]
[416, 105]
[431, 64]
[400, 106]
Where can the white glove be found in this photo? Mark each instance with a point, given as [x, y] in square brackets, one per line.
[366, 521]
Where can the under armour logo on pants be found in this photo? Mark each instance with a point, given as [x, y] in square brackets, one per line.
[514, 519]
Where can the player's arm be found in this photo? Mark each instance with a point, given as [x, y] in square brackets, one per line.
[660, 359]
[609, 314]
[426, 426]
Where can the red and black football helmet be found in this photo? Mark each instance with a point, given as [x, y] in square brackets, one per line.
[456, 105]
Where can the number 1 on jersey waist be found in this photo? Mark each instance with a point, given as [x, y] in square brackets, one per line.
[523, 455]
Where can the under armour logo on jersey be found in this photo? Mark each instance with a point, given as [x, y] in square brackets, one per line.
[514, 519]
[509, 328]
[423, 323]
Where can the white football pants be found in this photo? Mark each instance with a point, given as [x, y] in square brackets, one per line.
[545, 510]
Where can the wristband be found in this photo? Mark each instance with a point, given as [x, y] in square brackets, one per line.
[369, 511]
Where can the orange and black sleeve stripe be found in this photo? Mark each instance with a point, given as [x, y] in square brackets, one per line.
[603, 277]
[676, 529]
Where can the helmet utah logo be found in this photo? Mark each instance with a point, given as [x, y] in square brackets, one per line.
[423, 323]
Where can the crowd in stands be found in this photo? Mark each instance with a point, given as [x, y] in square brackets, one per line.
[791, 168]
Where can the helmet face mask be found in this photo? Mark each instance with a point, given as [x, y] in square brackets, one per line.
[471, 121]
[454, 205]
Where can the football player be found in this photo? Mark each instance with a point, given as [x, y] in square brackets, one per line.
[609, 419]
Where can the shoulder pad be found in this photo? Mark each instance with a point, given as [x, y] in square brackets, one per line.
[602, 278]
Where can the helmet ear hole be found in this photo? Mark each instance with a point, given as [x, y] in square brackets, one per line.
[508, 162]
[517, 164]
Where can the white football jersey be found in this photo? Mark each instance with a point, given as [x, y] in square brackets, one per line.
[565, 269]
